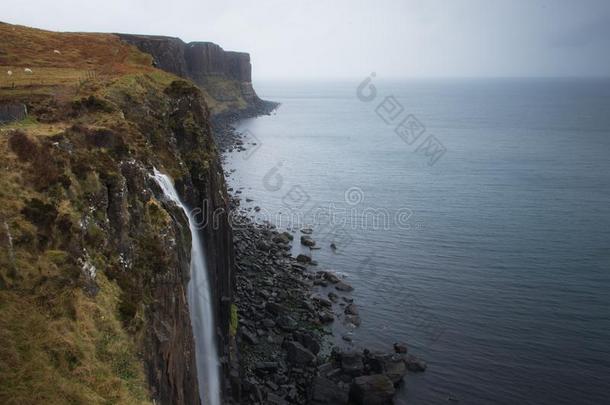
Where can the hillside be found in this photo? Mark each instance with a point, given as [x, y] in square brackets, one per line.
[94, 263]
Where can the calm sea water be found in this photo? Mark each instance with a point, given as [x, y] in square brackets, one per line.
[494, 265]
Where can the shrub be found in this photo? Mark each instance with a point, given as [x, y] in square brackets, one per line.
[24, 147]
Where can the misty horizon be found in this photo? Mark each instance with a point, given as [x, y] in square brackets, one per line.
[465, 39]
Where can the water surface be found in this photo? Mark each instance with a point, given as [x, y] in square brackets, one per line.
[498, 273]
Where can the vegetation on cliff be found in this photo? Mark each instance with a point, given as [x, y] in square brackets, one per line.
[93, 267]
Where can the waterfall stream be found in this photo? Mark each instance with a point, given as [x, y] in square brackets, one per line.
[200, 303]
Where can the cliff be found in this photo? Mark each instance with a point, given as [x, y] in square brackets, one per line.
[225, 77]
[94, 263]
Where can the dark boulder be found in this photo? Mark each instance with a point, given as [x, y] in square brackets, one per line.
[307, 241]
[352, 363]
[326, 392]
[303, 258]
[343, 286]
[400, 347]
[376, 389]
[297, 354]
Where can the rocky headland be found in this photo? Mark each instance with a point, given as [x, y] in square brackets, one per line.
[94, 262]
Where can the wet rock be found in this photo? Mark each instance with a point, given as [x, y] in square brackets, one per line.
[249, 337]
[301, 258]
[268, 323]
[307, 241]
[376, 389]
[351, 309]
[286, 323]
[264, 245]
[326, 317]
[400, 347]
[326, 392]
[267, 366]
[275, 309]
[282, 238]
[322, 301]
[274, 399]
[415, 364]
[391, 365]
[343, 286]
[352, 363]
[297, 354]
[353, 319]
[307, 231]
[320, 282]
[308, 341]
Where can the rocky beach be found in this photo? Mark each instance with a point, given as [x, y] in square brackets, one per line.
[286, 306]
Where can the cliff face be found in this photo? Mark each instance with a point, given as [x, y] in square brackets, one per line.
[94, 262]
[225, 77]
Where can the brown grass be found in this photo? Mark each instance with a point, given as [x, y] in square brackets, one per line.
[83, 58]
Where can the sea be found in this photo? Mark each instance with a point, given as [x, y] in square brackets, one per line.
[472, 217]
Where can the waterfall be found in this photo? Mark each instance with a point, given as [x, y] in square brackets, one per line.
[200, 303]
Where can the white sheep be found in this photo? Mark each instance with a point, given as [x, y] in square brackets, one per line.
[57, 52]
[28, 71]
[10, 73]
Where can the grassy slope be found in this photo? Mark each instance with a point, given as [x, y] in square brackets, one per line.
[59, 344]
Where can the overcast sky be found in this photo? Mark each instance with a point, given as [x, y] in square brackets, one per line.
[351, 38]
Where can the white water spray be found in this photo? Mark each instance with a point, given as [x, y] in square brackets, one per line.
[200, 302]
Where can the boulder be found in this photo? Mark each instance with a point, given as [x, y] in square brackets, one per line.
[286, 323]
[307, 241]
[282, 238]
[343, 286]
[326, 317]
[400, 347]
[303, 258]
[308, 341]
[391, 365]
[351, 309]
[266, 366]
[297, 354]
[376, 389]
[352, 363]
[328, 276]
[353, 319]
[275, 309]
[326, 392]
[415, 364]
[249, 337]
[322, 301]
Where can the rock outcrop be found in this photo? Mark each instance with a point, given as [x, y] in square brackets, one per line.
[94, 263]
[225, 76]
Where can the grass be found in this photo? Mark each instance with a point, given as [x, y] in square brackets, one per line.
[58, 344]
[86, 359]
[92, 107]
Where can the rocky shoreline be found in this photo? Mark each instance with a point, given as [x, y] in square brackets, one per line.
[285, 305]
[225, 135]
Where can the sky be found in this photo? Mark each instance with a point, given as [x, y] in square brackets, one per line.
[318, 39]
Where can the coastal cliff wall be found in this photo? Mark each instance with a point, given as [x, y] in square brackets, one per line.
[225, 77]
[94, 261]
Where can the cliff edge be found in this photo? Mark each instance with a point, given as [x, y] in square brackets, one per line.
[225, 77]
[94, 261]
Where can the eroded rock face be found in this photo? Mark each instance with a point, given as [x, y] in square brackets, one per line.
[208, 59]
[201, 62]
